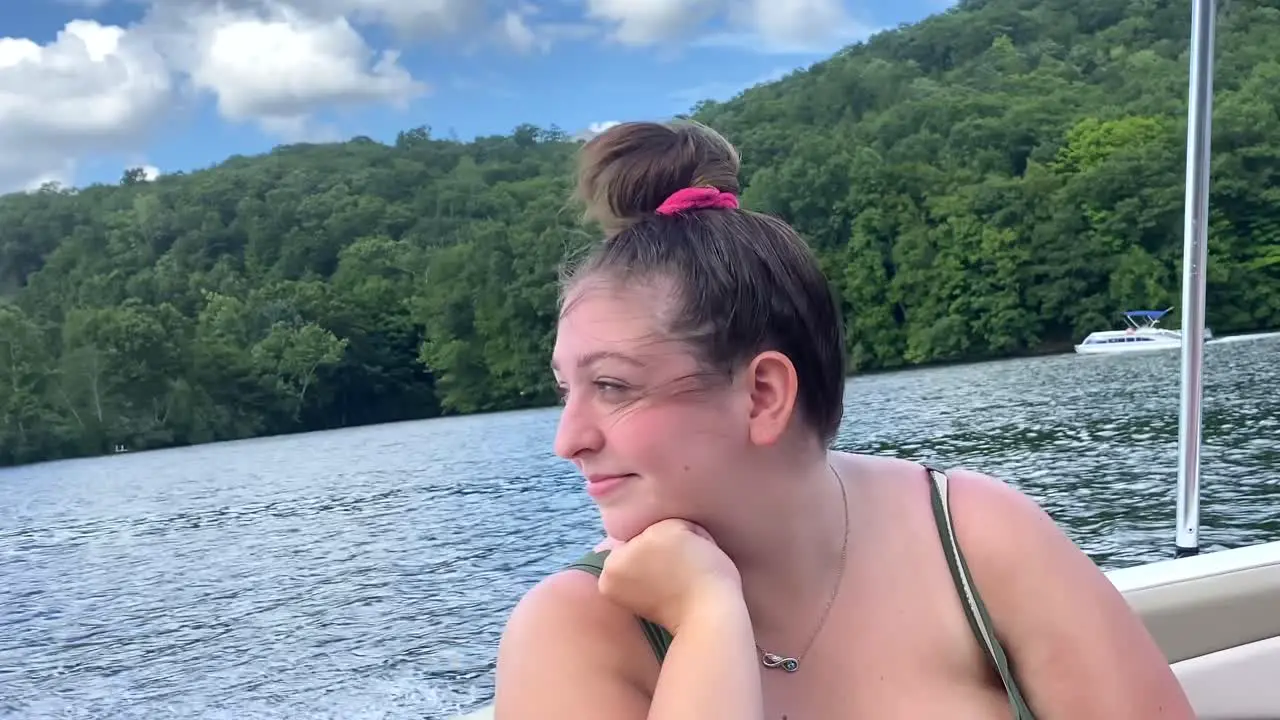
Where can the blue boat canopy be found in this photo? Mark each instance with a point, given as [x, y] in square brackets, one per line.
[1154, 314]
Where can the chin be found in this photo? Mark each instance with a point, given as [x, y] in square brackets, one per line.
[622, 529]
[622, 524]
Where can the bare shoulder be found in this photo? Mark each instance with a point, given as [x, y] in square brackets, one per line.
[568, 652]
[1007, 538]
[1063, 623]
[988, 513]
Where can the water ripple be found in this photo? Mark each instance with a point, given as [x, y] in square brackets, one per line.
[367, 573]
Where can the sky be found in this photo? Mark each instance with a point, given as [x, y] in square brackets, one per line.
[89, 88]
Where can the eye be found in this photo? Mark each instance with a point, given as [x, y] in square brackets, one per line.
[610, 389]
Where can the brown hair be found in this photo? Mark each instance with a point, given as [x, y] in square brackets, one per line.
[746, 282]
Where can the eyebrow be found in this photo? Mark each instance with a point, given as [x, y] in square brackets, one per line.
[595, 357]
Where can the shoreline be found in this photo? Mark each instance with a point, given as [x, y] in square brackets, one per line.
[1048, 351]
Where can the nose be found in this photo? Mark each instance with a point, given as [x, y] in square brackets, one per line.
[578, 432]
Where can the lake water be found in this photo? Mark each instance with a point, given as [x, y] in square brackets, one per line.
[366, 573]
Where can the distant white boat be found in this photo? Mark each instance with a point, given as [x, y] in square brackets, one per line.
[1213, 615]
[1142, 334]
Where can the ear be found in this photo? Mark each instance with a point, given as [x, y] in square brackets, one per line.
[774, 386]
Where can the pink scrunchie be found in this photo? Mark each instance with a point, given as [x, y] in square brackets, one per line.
[697, 198]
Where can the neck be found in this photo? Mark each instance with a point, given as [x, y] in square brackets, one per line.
[785, 536]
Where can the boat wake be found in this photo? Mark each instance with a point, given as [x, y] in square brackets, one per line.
[1248, 337]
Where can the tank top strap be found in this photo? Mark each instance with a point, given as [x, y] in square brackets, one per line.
[974, 609]
[656, 635]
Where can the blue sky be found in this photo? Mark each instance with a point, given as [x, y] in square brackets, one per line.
[90, 87]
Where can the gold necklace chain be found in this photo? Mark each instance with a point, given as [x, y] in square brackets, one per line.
[792, 664]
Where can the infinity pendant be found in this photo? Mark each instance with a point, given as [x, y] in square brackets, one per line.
[777, 661]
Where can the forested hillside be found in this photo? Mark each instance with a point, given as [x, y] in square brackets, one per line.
[999, 179]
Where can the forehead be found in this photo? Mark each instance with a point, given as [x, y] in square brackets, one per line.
[609, 320]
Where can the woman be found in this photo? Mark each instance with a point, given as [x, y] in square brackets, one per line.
[701, 358]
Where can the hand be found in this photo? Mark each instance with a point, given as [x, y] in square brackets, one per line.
[669, 572]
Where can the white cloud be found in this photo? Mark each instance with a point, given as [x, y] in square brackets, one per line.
[277, 63]
[648, 22]
[593, 130]
[407, 17]
[93, 86]
[814, 26]
[780, 26]
[798, 21]
[518, 31]
[277, 70]
[101, 88]
[148, 172]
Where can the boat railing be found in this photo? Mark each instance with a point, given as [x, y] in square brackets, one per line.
[1214, 615]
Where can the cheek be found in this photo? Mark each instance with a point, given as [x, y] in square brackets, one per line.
[676, 443]
[643, 435]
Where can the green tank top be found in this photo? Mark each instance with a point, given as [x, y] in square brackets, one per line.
[974, 609]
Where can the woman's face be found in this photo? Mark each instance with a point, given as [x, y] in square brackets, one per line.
[653, 433]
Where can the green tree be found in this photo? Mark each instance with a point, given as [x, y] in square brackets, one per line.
[999, 179]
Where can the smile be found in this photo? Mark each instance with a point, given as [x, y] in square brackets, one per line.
[599, 486]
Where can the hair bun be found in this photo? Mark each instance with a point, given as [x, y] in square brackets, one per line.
[629, 170]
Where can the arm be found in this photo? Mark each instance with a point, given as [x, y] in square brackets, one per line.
[1078, 649]
[711, 669]
[568, 653]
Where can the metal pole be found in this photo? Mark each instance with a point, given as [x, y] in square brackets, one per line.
[1194, 257]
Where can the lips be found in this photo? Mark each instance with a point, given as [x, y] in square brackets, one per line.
[600, 485]
[594, 478]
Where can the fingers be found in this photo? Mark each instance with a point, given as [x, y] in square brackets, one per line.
[698, 530]
[607, 543]
[679, 524]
